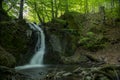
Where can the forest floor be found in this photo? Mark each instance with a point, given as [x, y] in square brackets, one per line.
[110, 31]
[111, 53]
[89, 34]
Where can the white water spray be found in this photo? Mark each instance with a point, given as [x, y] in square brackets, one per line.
[37, 59]
[40, 46]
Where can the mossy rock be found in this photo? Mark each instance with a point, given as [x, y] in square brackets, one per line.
[6, 59]
[14, 39]
[4, 16]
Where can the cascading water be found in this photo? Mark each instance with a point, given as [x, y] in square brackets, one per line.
[40, 46]
[37, 59]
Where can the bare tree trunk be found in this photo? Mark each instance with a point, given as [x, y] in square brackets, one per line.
[3, 14]
[39, 18]
[86, 6]
[46, 14]
[119, 8]
[1, 8]
[56, 9]
[42, 13]
[52, 9]
[102, 12]
[21, 9]
[67, 6]
[112, 5]
[13, 4]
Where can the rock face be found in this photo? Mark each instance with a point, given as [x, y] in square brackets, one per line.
[10, 74]
[14, 39]
[6, 59]
[69, 35]
[61, 38]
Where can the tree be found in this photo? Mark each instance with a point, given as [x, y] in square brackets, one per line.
[67, 6]
[37, 12]
[86, 6]
[1, 8]
[119, 8]
[52, 9]
[13, 5]
[21, 9]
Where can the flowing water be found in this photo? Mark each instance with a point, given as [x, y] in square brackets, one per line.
[36, 69]
[37, 59]
[40, 46]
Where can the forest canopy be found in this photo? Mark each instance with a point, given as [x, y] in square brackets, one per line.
[45, 10]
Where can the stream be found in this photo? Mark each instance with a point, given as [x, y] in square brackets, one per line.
[35, 69]
[40, 72]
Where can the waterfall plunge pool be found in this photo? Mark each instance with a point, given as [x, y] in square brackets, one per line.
[36, 69]
[39, 72]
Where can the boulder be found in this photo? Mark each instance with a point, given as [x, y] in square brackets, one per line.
[67, 74]
[10, 74]
[6, 59]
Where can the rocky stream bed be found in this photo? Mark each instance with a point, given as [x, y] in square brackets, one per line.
[62, 72]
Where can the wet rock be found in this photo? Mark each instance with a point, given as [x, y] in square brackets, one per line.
[78, 70]
[13, 38]
[50, 76]
[67, 74]
[6, 59]
[58, 74]
[10, 74]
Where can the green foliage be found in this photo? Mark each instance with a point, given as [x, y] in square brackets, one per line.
[49, 9]
[11, 37]
[6, 59]
[60, 21]
[92, 41]
[11, 7]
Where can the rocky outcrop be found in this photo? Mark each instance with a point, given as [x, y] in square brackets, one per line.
[15, 40]
[74, 30]
[106, 72]
[6, 59]
[61, 38]
[10, 74]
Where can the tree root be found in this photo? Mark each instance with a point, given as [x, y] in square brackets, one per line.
[109, 71]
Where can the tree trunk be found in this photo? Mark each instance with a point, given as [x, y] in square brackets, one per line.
[52, 9]
[1, 4]
[102, 12]
[86, 6]
[12, 6]
[67, 6]
[56, 9]
[39, 18]
[119, 8]
[21, 9]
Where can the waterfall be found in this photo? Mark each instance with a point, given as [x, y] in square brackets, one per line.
[40, 46]
[37, 59]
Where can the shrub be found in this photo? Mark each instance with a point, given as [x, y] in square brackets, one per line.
[92, 41]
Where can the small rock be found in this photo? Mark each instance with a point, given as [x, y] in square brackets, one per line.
[78, 70]
[118, 60]
[60, 73]
[88, 78]
[40, 73]
[6, 59]
[67, 74]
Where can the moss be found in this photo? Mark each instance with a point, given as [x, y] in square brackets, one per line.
[84, 31]
[13, 37]
[6, 59]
